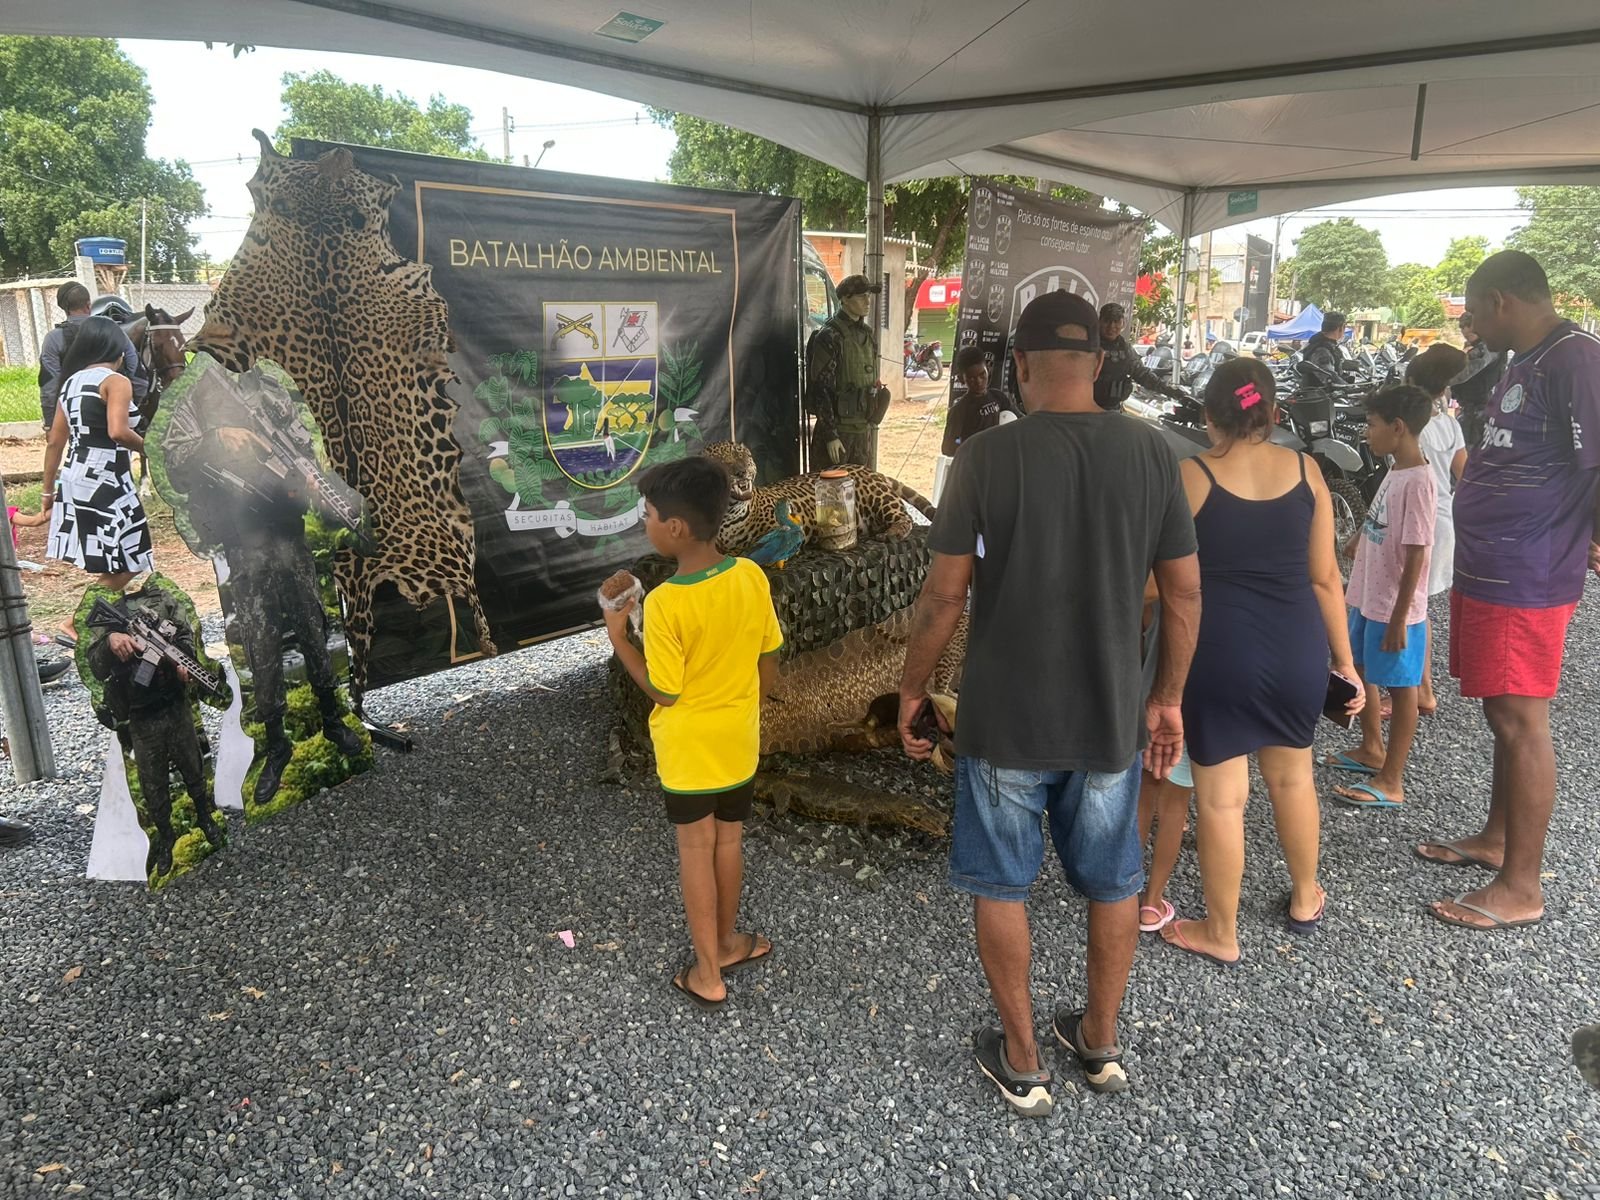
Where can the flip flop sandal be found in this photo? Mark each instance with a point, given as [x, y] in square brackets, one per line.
[1340, 761]
[1462, 859]
[681, 982]
[1379, 800]
[1308, 925]
[1182, 943]
[1164, 916]
[61, 639]
[1495, 919]
[760, 951]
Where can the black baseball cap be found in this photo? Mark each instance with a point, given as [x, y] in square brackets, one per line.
[856, 285]
[1047, 313]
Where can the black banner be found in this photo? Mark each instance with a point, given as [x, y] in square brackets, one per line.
[1257, 280]
[1021, 244]
[601, 326]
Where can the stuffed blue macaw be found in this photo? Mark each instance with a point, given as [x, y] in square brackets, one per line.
[782, 543]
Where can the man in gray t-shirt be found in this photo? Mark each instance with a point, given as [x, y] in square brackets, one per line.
[1055, 522]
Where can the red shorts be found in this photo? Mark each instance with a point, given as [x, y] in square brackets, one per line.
[1501, 651]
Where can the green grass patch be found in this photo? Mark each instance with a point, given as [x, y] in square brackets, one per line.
[24, 497]
[19, 394]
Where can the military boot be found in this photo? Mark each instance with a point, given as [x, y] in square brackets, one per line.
[158, 861]
[205, 815]
[345, 740]
[279, 751]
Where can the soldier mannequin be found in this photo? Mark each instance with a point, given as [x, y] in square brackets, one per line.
[155, 723]
[843, 395]
[272, 576]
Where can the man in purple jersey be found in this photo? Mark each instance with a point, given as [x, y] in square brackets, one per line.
[1527, 531]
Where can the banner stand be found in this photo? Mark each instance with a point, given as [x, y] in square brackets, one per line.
[235, 750]
[120, 844]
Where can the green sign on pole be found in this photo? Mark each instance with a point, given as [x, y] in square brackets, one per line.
[1240, 203]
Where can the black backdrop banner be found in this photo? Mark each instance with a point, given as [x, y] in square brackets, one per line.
[601, 326]
[1020, 245]
[1257, 279]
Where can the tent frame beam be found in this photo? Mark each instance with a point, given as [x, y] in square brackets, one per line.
[1277, 71]
[373, 10]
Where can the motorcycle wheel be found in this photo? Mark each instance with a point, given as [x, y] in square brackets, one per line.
[935, 369]
[1349, 514]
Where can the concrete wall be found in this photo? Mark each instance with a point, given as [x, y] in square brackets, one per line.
[28, 309]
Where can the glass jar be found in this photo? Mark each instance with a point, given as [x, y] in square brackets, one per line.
[836, 510]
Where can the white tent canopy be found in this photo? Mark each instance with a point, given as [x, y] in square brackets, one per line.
[1200, 115]
[1147, 103]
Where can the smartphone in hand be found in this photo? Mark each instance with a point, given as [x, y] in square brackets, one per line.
[1340, 692]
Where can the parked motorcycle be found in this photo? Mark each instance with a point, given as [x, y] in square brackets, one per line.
[924, 356]
[1329, 419]
[1198, 370]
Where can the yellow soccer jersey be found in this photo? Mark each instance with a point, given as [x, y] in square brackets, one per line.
[704, 637]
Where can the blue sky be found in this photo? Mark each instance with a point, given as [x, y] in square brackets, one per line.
[206, 103]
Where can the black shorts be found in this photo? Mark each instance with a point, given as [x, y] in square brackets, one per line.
[684, 808]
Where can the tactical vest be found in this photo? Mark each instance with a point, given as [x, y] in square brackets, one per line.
[858, 371]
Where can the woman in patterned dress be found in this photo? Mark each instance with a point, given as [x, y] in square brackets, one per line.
[96, 520]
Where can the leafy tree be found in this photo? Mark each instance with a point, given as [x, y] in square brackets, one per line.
[73, 117]
[933, 211]
[1460, 261]
[1341, 265]
[1285, 280]
[1563, 233]
[325, 107]
[1413, 293]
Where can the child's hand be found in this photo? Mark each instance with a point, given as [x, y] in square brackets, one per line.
[1394, 637]
[617, 622]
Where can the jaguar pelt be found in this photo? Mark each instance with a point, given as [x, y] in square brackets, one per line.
[880, 512]
[319, 288]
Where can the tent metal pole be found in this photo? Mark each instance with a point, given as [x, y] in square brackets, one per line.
[1416, 128]
[874, 256]
[26, 727]
[1185, 232]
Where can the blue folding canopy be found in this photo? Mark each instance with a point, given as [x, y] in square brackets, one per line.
[1302, 325]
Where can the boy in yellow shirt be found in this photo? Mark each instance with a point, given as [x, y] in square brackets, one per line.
[711, 640]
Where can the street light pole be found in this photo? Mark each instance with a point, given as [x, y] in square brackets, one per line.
[542, 151]
[144, 224]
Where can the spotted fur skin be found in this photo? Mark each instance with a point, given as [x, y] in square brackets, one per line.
[319, 288]
[752, 510]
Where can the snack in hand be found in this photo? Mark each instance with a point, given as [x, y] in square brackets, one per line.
[617, 587]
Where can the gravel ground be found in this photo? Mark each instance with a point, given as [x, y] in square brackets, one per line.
[367, 996]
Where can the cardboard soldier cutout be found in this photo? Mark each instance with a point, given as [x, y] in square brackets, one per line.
[139, 657]
[237, 459]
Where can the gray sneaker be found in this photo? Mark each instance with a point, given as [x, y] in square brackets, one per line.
[1102, 1066]
[1026, 1091]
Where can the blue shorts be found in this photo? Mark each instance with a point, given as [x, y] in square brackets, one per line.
[1379, 666]
[998, 841]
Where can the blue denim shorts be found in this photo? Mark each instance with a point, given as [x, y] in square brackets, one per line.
[998, 841]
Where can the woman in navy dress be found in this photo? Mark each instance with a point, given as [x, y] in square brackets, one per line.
[1272, 617]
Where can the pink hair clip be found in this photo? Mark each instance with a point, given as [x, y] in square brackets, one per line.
[1248, 395]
